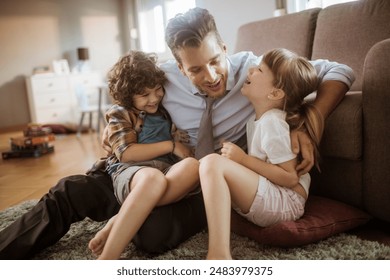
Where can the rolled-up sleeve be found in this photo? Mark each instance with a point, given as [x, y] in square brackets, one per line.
[333, 71]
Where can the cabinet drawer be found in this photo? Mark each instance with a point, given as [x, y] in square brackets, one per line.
[52, 100]
[40, 85]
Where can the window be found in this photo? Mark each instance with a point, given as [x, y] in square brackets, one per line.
[324, 3]
[299, 5]
[153, 16]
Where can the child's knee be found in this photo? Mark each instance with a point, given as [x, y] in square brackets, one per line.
[191, 163]
[153, 177]
[209, 163]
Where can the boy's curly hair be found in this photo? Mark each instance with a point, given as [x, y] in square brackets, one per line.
[133, 73]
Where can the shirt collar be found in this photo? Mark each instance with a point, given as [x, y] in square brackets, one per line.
[194, 89]
[230, 79]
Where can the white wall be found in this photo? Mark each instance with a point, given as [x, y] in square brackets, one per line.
[231, 14]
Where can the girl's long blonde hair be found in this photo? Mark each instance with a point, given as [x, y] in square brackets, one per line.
[297, 78]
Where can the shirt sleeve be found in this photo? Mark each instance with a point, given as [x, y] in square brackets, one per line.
[328, 70]
[276, 139]
[121, 133]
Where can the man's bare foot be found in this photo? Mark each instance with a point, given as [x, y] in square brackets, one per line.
[96, 245]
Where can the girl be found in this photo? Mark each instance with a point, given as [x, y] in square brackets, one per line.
[144, 159]
[263, 185]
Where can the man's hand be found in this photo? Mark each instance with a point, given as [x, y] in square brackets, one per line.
[301, 144]
[179, 135]
[233, 152]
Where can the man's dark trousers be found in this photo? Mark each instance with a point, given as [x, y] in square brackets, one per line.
[76, 197]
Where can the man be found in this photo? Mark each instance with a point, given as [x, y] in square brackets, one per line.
[202, 69]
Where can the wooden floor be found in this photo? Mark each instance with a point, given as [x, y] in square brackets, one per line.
[29, 178]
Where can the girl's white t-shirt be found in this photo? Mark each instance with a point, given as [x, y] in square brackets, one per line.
[269, 140]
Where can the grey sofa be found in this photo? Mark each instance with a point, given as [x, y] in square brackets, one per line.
[355, 147]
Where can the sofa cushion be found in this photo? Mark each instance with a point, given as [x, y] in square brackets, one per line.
[297, 31]
[343, 134]
[346, 32]
[339, 179]
[323, 218]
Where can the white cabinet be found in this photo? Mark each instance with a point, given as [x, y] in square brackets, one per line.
[50, 99]
[53, 98]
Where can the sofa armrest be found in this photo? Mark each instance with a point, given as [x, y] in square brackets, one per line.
[376, 130]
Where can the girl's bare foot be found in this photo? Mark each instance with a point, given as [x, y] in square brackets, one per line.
[96, 245]
[219, 257]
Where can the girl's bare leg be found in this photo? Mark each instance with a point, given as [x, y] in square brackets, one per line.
[224, 181]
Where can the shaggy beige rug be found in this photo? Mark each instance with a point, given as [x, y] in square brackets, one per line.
[73, 246]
